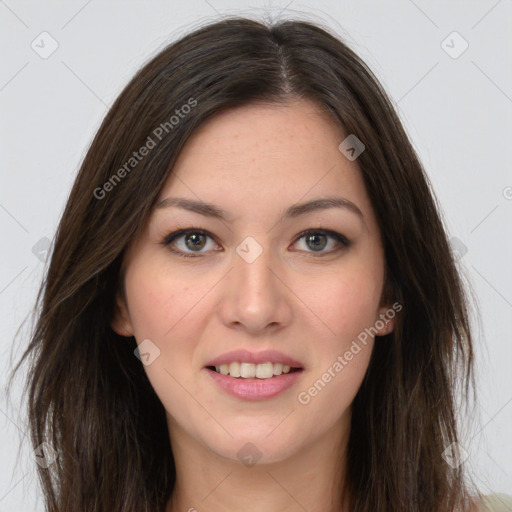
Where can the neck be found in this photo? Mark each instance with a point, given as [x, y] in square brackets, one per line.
[308, 480]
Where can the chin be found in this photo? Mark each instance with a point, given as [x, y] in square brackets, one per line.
[259, 449]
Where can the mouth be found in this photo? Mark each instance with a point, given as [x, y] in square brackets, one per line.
[249, 375]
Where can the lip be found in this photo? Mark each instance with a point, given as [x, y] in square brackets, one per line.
[265, 356]
[254, 389]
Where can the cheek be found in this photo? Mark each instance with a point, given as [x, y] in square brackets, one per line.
[164, 308]
[159, 302]
[345, 303]
[326, 397]
[346, 307]
[171, 309]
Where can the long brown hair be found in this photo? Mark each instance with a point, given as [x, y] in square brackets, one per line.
[89, 397]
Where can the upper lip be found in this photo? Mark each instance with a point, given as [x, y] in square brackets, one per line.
[265, 356]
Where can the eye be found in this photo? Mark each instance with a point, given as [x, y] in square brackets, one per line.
[317, 239]
[185, 242]
[193, 238]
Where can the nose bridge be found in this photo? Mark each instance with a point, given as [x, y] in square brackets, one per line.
[253, 268]
[255, 295]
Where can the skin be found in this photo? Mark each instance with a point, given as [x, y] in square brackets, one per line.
[255, 161]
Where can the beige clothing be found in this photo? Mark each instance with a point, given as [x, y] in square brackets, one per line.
[496, 503]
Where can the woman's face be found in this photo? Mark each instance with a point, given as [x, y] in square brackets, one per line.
[255, 282]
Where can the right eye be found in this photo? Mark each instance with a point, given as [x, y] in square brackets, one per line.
[189, 238]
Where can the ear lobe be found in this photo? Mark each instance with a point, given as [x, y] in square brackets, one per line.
[386, 321]
[121, 323]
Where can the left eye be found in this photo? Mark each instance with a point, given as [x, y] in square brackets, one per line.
[318, 240]
[195, 239]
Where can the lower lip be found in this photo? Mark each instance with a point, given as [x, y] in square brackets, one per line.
[255, 389]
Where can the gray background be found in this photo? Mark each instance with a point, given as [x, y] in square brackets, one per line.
[455, 106]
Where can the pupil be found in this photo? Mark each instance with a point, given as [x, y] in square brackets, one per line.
[312, 237]
[197, 243]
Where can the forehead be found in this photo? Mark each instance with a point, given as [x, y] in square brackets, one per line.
[261, 131]
[257, 156]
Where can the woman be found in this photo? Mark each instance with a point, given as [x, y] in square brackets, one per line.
[251, 302]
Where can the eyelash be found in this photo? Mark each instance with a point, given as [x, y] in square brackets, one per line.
[167, 241]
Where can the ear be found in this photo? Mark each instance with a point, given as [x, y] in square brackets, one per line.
[121, 322]
[385, 321]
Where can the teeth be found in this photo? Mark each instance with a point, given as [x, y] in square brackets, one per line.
[278, 368]
[249, 370]
[265, 370]
[234, 370]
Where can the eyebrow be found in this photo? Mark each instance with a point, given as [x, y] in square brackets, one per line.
[210, 210]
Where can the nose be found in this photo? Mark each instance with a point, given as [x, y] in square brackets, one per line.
[255, 296]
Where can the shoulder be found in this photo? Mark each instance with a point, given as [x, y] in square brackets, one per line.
[496, 503]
